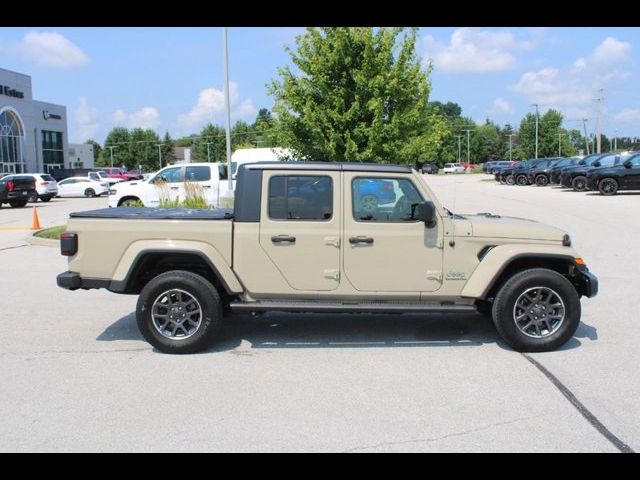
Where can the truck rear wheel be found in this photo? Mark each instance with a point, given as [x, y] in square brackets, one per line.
[179, 312]
[536, 310]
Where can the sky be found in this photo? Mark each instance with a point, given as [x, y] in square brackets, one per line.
[171, 79]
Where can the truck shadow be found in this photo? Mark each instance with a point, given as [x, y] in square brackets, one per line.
[244, 333]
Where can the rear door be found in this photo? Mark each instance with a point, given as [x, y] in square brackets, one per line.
[385, 250]
[201, 181]
[300, 227]
[632, 177]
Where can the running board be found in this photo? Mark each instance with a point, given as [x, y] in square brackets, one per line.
[347, 307]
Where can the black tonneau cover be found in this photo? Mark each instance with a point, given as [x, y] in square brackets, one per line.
[137, 213]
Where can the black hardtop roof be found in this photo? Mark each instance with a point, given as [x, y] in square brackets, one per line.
[330, 166]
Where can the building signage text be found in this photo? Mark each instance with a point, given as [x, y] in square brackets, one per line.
[47, 115]
[10, 92]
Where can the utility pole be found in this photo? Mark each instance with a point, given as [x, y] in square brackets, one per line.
[560, 135]
[467, 144]
[208, 151]
[459, 137]
[599, 126]
[510, 135]
[111, 150]
[159, 145]
[227, 107]
[537, 116]
[586, 137]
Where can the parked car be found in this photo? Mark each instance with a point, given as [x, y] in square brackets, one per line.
[81, 187]
[121, 174]
[624, 176]
[521, 177]
[556, 166]
[169, 183]
[453, 168]
[46, 186]
[555, 175]
[507, 175]
[538, 173]
[102, 177]
[498, 169]
[493, 167]
[190, 268]
[17, 190]
[429, 168]
[576, 177]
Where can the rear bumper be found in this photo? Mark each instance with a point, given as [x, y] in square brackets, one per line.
[73, 281]
[18, 195]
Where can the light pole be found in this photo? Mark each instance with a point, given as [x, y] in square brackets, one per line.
[208, 151]
[159, 145]
[459, 137]
[468, 131]
[227, 108]
[560, 135]
[537, 116]
[510, 136]
[111, 150]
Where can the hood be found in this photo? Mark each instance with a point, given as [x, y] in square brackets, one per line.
[496, 226]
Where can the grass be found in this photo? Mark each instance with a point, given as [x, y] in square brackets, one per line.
[52, 233]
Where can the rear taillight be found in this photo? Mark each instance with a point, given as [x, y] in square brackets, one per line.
[10, 186]
[68, 244]
[44, 183]
[103, 184]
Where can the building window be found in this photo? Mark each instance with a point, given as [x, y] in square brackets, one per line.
[52, 150]
[11, 135]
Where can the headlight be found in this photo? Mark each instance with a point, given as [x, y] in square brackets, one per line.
[566, 241]
[112, 192]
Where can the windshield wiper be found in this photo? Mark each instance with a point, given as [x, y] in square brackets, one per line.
[454, 215]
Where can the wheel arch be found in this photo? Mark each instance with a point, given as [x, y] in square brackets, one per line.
[129, 197]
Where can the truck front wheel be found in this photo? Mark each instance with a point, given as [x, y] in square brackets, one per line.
[536, 310]
[179, 312]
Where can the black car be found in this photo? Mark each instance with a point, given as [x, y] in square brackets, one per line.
[539, 164]
[518, 174]
[429, 168]
[624, 176]
[555, 174]
[541, 174]
[576, 177]
[493, 167]
[17, 190]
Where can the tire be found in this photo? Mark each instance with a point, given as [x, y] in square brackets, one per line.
[532, 283]
[127, 202]
[17, 203]
[152, 301]
[32, 197]
[46, 199]
[579, 183]
[510, 180]
[608, 186]
[522, 180]
[542, 180]
[90, 192]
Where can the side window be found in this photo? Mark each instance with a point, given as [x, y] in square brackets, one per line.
[198, 174]
[170, 175]
[222, 171]
[300, 197]
[384, 199]
[635, 160]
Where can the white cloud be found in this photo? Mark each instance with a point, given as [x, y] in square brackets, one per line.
[86, 121]
[210, 108]
[611, 51]
[500, 107]
[471, 50]
[146, 117]
[628, 115]
[50, 49]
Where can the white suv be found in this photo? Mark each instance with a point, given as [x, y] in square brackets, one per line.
[453, 168]
[46, 186]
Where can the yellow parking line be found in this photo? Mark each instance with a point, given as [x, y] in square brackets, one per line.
[15, 228]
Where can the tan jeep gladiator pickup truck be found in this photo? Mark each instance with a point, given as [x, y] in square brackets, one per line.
[328, 237]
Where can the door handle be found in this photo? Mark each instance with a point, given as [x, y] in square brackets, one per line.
[174, 188]
[283, 238]
[207, 186]
[360, 239]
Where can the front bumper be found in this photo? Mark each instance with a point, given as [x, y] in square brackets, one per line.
[73, 281]
[586, 283]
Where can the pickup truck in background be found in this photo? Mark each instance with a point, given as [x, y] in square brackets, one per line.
[102, 177]
[121, 174]
[307, 237]
[16, 190]
[169, 183]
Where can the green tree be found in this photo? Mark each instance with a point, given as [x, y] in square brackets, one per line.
[360, 95]
[143, 150]
[214, 135]
[168, 145]
[97, 148]
[264, 127]
[243, 135]
[118, 138]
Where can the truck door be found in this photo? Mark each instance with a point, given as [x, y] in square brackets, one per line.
[300, 227]
[202, 181]
[384, 249]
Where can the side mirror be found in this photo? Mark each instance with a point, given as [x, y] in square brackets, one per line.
[426, 212]
[627, 164]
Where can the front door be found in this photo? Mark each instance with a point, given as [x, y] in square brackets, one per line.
[385, 250]
[300, 227]
[631, 178]
[169, 186]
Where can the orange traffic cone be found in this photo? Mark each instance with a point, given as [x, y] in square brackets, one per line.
[36, 220]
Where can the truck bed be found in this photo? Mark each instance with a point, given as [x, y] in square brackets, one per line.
[145, 213]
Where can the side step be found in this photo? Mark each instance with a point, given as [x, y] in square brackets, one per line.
[319, 306]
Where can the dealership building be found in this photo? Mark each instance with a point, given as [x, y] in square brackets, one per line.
[33, 134]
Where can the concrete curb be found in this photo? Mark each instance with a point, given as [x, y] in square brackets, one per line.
[43, 242]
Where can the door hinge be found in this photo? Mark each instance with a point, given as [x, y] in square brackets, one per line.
[332, 273]
[333, 241]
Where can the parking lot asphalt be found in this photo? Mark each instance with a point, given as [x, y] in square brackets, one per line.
[77, 375]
